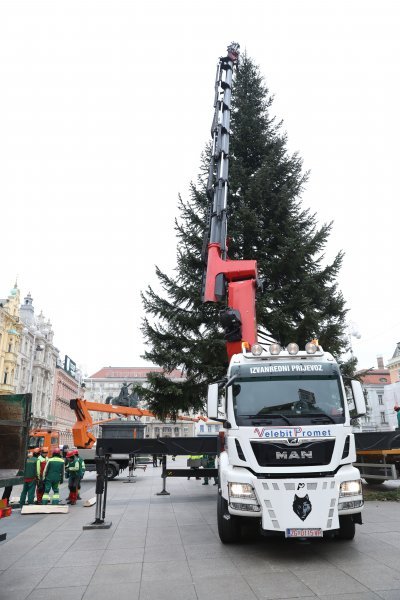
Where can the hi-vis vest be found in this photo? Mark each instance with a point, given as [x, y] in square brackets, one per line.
[54, 470]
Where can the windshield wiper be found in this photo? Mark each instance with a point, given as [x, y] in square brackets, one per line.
[268, 419]
[322, 418]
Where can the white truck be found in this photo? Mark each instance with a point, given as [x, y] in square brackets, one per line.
[289, 446]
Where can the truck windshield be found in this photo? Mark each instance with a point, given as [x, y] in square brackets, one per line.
[288, 400]
[35, 441]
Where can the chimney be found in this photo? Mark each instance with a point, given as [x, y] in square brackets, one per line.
[380, 362]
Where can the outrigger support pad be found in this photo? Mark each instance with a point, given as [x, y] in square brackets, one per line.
[101, 490]
[164, 477]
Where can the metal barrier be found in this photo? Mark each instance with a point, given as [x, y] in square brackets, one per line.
[161, 446]
[379, 471]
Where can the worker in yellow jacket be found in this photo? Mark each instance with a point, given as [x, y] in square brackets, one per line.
[194, 462]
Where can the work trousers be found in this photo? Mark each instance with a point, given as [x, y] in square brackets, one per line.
[206, 480]
[73, 486]
[40, 491]
[48, 485]
[28, 489]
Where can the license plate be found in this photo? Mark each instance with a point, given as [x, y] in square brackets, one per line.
[306, 533]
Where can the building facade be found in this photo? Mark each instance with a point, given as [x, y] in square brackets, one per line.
[108, 383]
[393, 364]
[380, 414]
[36, 363]
[10, 338]
[66, 388]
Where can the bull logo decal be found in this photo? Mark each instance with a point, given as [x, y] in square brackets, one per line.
[302, 506]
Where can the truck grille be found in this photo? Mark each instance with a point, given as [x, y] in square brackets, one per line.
[307, 454]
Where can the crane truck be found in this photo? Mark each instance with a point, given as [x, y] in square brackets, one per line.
[84, 438]
[288, 441]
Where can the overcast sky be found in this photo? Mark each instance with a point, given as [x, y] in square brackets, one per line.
[105, 108]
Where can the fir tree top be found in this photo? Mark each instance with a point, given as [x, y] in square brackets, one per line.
[299, 299]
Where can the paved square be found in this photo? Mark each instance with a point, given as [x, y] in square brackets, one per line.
[167, 547]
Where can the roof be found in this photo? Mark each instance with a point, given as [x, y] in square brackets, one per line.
[397, 351]
[132, 373]
[375, 376]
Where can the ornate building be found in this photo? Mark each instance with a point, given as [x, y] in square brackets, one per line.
[36, 363]
[380, 415]
[393, 364]
[109, 381]
[67, 386]
[10, 333]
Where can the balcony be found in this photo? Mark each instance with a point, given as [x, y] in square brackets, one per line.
[10, 357]
[5, 388]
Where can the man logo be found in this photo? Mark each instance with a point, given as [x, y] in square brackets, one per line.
[293, 455]
[302, 506]
[294, 441]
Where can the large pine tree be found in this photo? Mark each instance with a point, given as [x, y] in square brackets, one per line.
[299, 299]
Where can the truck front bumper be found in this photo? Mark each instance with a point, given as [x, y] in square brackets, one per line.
[292, 502]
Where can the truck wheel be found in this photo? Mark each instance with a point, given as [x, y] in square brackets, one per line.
[228, 525]
[347, 529]
[112, 472]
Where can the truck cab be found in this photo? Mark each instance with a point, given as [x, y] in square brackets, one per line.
[289, 445]
[39, 438]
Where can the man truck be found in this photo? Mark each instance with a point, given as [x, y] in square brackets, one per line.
[289, 445]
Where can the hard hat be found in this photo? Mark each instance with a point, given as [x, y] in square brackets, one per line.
[56, 451]
[75, 451]
[45, 449]
[70, 453]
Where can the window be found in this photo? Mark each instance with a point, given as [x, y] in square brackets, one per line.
[176, 431]
[209, 427]
[202, 428]
[383, 380]
[5, 377]
[383, 418]
[380, 398]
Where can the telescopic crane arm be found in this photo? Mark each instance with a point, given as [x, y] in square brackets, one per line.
[224, 280]
[82, 430]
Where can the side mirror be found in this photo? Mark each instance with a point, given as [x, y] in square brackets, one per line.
[359, 398]
[212, 401]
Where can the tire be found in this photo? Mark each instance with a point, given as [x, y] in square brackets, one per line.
[228, 525]
[112, 472]
[374, 481]
[347, 529]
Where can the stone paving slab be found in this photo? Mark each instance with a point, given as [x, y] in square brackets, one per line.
[167, 547]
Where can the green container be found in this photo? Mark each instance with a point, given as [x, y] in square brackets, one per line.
[15, 414]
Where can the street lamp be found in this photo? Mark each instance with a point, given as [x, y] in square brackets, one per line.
[352, 332]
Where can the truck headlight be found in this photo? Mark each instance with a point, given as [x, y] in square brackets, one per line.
[351, 488]
[241, 490]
